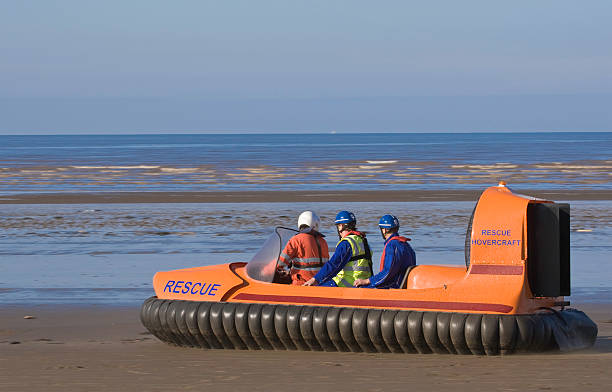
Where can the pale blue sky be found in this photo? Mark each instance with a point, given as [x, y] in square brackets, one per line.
[149, 66]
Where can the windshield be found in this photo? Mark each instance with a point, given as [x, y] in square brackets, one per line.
[263, 265]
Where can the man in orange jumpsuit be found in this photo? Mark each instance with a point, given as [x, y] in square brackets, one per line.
[307, 251]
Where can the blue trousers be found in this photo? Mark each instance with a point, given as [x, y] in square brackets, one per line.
[329, 283]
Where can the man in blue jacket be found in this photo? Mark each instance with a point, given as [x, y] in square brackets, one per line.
[396, 258]
[352, 259]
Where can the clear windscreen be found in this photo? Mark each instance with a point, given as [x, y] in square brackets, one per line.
[263, 265]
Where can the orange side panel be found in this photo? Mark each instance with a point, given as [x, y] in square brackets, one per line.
[211, 283]
[428, 276]
[487, 292]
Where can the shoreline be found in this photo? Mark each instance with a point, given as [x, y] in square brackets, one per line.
[288, 196]
[99, 349]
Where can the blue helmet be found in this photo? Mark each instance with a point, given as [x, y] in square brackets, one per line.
[388, 222]
[345, 217]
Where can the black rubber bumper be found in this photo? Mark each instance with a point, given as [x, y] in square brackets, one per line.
[244, 326]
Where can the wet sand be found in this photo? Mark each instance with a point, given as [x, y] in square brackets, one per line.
[288, 196]
[105, 348]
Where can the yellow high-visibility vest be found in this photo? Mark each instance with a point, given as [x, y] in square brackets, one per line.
[360, 264]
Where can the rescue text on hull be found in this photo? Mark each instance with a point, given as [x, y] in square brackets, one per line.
[510, 298]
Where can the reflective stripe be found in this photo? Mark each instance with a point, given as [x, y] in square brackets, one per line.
[314, 268]
[308, 266]
[310, 260]
[285, 256]
[357, 268]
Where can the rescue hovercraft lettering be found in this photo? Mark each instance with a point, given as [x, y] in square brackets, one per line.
[184, 287]
[496, 242]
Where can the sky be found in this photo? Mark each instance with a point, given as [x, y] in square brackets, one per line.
[143, 66]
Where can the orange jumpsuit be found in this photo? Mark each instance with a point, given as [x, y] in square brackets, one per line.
[305, 254]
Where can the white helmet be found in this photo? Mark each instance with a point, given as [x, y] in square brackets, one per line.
[309, 218]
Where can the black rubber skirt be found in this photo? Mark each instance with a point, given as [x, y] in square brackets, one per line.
[245, 326]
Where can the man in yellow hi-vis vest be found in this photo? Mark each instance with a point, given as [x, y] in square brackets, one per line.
[352, 259]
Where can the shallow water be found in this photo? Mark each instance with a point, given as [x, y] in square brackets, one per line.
[108, 253]
[102, 163]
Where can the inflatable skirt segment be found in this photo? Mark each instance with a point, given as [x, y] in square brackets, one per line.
[257, 326]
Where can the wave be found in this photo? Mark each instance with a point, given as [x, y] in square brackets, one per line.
[118, 167]
[381, 162]
[180, 170]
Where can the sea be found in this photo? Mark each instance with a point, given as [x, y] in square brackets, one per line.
[107, 254]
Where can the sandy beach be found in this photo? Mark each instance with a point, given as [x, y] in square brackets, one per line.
[106, 348]
[288, 196]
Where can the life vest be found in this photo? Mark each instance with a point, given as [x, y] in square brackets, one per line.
[395, 238]
[360, 263]
[305, 254]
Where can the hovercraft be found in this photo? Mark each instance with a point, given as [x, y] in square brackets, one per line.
[509, 299]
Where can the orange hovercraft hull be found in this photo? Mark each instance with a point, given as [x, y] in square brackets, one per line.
[510, 298]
